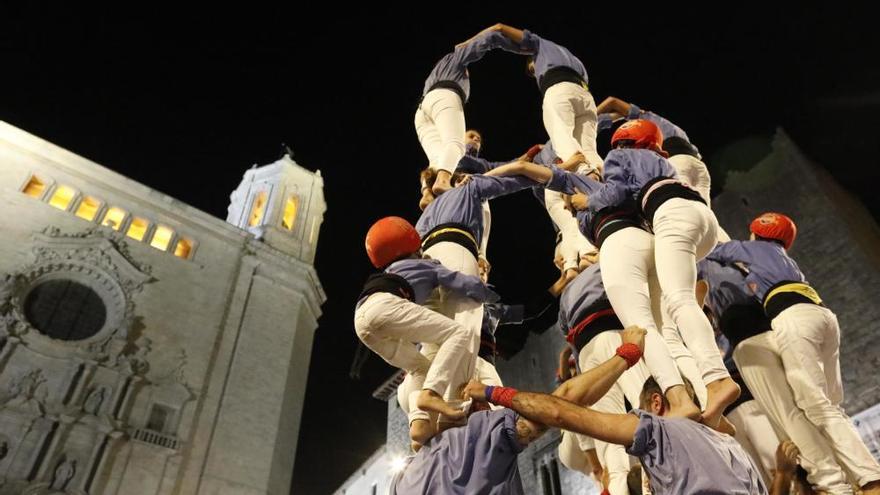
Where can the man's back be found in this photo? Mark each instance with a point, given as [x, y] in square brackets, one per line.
[683, 456]
[477, 458]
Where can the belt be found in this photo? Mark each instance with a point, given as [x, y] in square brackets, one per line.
[786, 294]
[457, 235]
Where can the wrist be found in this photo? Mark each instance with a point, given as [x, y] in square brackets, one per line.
[630, 353]
[500, 396]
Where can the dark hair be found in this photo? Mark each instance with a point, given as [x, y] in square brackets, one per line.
[651, 387]
[777, 241]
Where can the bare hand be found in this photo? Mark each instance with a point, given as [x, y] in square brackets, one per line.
[587, 260]
[580, 201]
[634, 334]
[465, 178]
[786, 456]
[475, 390]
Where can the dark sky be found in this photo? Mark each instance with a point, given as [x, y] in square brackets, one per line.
[185, 102]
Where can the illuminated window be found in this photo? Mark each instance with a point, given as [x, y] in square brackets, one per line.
[88, 208]
[183, 248]
[62, 197]
[114, 218]
[162, 238]
[34, 188]
[137, 230]
[289, 218]
[258, 208]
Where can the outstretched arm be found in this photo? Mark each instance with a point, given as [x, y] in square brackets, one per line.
[533, 171]
[552, 410]
[613, 105]
[513, 34]
[559, 413]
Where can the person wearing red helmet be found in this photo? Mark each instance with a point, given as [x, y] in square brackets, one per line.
[389, 317]
[807, 336]
[639, 179]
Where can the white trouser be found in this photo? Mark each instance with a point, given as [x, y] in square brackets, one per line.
[614, 458]
[627, 265]
[757, 436]
[389, 325]
[808, 339]
[487, 227]
[571, 455]
[570, 120]
[693, 172]
[684, 360]
[574, 244]
[684, 232]
[440, 126]
[761, 367]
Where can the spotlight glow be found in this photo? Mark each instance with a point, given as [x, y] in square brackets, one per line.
[397, 464]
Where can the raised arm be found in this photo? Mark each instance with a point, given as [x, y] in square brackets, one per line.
[531, 170]
[553, 410]
[613, 105]
[511, 33]
[592, 385]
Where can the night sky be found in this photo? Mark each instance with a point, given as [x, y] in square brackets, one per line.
[185, 102]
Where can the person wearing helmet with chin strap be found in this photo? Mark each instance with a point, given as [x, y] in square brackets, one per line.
[807, 335]
[389, 317]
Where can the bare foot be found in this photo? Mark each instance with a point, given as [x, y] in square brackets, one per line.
[432, 401]
[721, 393]
[442, 183]
[724, 426]
[421, 430]
[680, 404]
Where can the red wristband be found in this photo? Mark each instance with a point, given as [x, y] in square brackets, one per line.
[533, 151]
[502, 396]
[631, 353]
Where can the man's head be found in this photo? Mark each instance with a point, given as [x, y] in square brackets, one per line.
[640, 134]
[473, 141]
[652, 399]
[391, 239]
[530, 66]
[484, 267]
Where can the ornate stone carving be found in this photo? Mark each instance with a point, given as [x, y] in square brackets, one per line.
[97, 258]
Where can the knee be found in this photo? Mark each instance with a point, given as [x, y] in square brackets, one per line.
[680, 299]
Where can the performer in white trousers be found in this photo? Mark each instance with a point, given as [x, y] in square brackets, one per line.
[569, 111]
[627, 259]
[389, 318]
[807, 336]
[685, 230]
[439, 120]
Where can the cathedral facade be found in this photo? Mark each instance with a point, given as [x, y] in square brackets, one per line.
[147, 347]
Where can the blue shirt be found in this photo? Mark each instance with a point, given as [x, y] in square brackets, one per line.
[727, 285]
[668, 128]
[767, 261]
[453, 66]
[426, 275]
[581, 293]
[495, 314]
[480, 457]
[682, 456]
[464, 204]
[548, 55]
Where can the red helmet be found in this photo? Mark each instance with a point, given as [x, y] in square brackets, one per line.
[390, 239]
[775, 226]
[643, 133]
